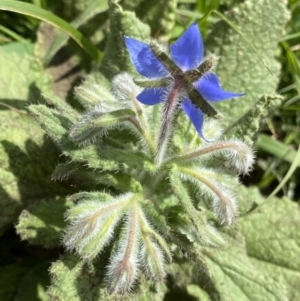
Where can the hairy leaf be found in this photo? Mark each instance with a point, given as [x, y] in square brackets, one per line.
[34, 284]
[26, 157]
[239, 69]
[75, 280]
[234, 276]
[10, 277]
[273, 242]
[44, 223]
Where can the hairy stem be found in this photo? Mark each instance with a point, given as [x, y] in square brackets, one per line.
[132, 235]
[144, 133]
[206, 150]
[169, 108]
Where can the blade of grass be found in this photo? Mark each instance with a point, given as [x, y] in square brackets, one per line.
[295, 164]
[95, 7]
[40, 3]
[276, 148]
[41, 14]
[12, 34]
[291, 36]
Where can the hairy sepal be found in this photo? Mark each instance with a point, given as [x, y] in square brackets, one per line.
[123, 268]
[183, 196]
[216, 187]
[152, 258]
[94, 124]
[236, 153]
[91, 95]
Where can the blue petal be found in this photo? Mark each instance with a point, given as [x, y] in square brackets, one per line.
[209, 87]
[152, 96]
[196, 115]
[187, 51]
[144, 60]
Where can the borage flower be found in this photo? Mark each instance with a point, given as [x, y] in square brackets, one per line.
[186, 79]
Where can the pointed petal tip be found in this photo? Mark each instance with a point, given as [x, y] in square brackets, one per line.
[187, 50]
[152, 96]
[143, 59]
[209, 87]
[195, 115]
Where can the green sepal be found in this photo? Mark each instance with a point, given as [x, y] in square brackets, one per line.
[94, 90]
[90, 196]
[186, 202]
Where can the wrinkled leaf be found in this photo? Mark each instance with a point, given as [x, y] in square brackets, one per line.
[27, 158]
[10, 277]
[74, 280]
[44, 223]
[235, 278]
[273, 242]
[239, 69]
[34, 284]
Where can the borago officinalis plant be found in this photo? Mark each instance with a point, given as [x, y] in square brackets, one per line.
[142, 210]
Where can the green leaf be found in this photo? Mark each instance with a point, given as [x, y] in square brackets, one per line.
[116, 59]
[239, 69]
[234, 276]
[109, 159]
[34, 284]
[61, 105]
[22, 78]
[197, 292]
[10, 277]
[80, 174]
[273, 243]
[276, 148]
[75, 280]
[55, 124]
[41, 14]
[27, 158]
[44, 223]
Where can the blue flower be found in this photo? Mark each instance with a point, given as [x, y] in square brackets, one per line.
[193, 74]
